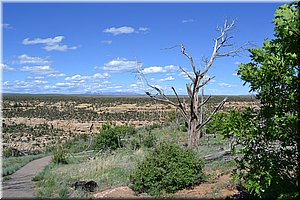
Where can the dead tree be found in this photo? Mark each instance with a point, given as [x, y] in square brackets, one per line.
[192, 116]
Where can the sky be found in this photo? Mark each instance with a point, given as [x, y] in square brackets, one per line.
[94, 48]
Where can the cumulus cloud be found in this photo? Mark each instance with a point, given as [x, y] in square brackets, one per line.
[125, 30]
[63, 84]
[56, 75]
[6, 68]
[58, 47]
[81, 79]
[25, 59]
[143, 29]
[153, 70]
[185, 76]
[169, 78]
[41, 69]
[50, 44]
[35, 78]
[120, 30]
[159, 69]
[120, 65]
[47, 41]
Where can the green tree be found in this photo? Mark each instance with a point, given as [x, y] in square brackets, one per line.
[269, 138]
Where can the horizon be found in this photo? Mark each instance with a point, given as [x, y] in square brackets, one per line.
[92, 48]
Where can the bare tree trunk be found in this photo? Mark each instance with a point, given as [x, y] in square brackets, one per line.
[194, 117]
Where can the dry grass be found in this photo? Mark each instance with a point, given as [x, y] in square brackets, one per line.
[107, 170]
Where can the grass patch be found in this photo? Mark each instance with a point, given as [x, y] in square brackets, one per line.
[111, 170]
[12, 164]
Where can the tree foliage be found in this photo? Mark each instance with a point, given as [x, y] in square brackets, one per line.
[270, 143]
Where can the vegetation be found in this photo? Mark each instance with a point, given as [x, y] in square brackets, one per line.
[12, 164]
[112, 137]
[59, 155]
[167, 168]
[154, 159]
[108, 170]
[268, 166]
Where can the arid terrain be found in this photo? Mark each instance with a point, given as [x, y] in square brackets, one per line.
[32, 123]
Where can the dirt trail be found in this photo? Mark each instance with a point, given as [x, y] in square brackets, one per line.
[20, 184]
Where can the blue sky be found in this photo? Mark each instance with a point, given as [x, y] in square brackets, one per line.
[78, 48]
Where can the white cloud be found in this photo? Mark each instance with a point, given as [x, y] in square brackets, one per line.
[47, 41]
[143, 29]
[6, 68]
[25, 59]
[187, 21]
[56, 75]
[225, 84]
[58, 47]
[121, 30]
[101, 76]
[169, 78]
[62, 84]
[81, 79]
[120, 65]
[153, 70]
[7, 26]
[45, 69]
[185, 76]
[39, 82]
[159, 69]
[125, 30]
[134, 85]
[234, 74]
[106, 42]
[35, 78]
[50, 44]
[171, 68]
[237, 63]
[77, 78]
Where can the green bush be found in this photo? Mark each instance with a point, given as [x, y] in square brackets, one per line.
[167, 168]
[149, 140]
[59, 155]
[113, 137]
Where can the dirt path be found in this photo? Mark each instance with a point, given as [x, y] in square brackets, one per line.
[20, 184]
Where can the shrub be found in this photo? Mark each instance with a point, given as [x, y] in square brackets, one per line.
[113, 137]
[167, 168]
[59, 155]
[149, 140]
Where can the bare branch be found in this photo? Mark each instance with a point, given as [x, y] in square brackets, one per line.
[180, 105]
[212, 114]
[220, 42]
[192, 79]
[205, 101]
[190, 58]
[205, 82]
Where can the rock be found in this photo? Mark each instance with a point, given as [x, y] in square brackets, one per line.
[88, 186]
[119, 192]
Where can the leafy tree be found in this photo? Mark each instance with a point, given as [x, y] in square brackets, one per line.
[269, 165]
